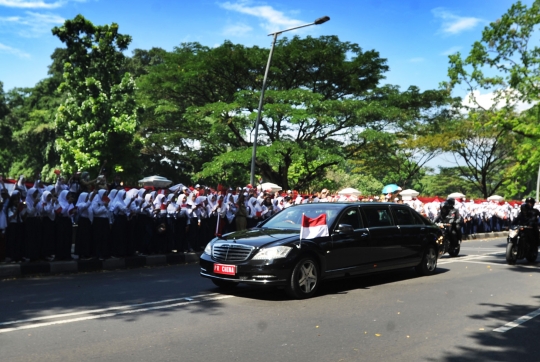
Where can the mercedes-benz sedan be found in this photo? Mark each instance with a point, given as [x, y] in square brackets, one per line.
[362, 238]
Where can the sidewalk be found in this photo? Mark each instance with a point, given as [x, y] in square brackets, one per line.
[8, 270]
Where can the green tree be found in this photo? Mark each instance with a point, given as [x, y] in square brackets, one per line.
[445, 182]
[483, 150]
[6, 134]
[201, 108]
[505, 62]
[36, 111]
[98, 118]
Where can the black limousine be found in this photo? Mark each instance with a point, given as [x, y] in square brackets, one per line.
[362, 238]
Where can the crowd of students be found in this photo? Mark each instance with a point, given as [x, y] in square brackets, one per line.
[37, 223]
[112, 222]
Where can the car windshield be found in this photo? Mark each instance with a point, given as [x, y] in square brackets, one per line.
[291, 218]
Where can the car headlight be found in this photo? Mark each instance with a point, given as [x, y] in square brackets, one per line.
[208, 249]
[275, 252]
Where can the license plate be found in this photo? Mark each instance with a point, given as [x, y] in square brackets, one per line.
[225, 269]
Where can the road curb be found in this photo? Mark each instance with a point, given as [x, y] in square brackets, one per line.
[8, 270]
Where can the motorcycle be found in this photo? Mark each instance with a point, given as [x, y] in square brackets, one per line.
[451, 242]
[520, 246]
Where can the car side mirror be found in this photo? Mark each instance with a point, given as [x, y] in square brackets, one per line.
[345, 229]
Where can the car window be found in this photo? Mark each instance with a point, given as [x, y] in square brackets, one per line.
[403, 216]
[377, 217]
[351, 217]
[422, 220]
[291, 218]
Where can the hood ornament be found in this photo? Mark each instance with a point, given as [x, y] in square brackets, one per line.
[234, 240]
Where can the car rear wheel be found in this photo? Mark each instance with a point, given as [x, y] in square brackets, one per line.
[304, 279]
[224, 284]
[428, 265]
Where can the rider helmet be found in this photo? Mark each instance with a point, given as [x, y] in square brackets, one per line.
[450, 202]
[530, 200]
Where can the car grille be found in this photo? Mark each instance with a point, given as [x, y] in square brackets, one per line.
[231, 252]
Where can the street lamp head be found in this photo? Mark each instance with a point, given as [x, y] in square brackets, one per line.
[319, 21]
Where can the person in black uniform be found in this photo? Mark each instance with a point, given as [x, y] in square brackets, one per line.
[528, 216]
[450, 215]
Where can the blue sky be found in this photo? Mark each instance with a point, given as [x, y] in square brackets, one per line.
[414, 35]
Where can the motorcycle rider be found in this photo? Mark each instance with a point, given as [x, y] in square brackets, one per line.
[528, 216]
[450, 215]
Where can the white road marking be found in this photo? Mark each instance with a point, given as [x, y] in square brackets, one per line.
[498, 264]
[188, 300]
[463, 258]
[517, 322]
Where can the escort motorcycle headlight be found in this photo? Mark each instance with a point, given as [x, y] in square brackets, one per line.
[275, 252]
[512, 233]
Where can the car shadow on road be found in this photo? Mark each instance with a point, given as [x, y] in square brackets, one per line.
[518, 344]
[334, 286]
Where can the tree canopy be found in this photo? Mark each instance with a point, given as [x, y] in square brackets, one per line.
[98, 118]
[504, 62]
[328, 118]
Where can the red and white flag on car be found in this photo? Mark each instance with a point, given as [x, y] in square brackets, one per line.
[313, 227]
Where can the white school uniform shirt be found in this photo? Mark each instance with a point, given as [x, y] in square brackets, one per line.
[98, 207]
[64, 204]
[32, 206]
[84, 206]
[47, 208]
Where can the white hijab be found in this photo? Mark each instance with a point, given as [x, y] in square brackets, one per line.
[85, 212]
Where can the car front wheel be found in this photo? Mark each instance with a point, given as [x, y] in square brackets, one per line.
[304, 279]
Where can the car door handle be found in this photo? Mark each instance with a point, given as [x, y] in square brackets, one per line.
[364, 235]
[422, 229]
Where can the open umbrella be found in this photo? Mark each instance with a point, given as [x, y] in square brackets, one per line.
[391, 188]
[269, 186]
[156, 181]
[408, 194]
[495, 198]
[456, 195]
[349, 191]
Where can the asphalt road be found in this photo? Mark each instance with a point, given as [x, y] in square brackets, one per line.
[171, 314]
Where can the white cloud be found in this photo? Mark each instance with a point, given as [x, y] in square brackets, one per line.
[273, 20]
[31, 4]
[33, 24]
[452, 50]
[490, 100]
[454, 24]
[237, 30]
[417, 60]
[9, 50]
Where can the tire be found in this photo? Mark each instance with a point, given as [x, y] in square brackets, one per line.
[532, 254]
[428, 265]
[224, 284]
[304, 280]
[455, 246]
[454, 251]
[511, 253]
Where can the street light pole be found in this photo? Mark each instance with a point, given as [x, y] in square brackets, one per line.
[319, 21]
